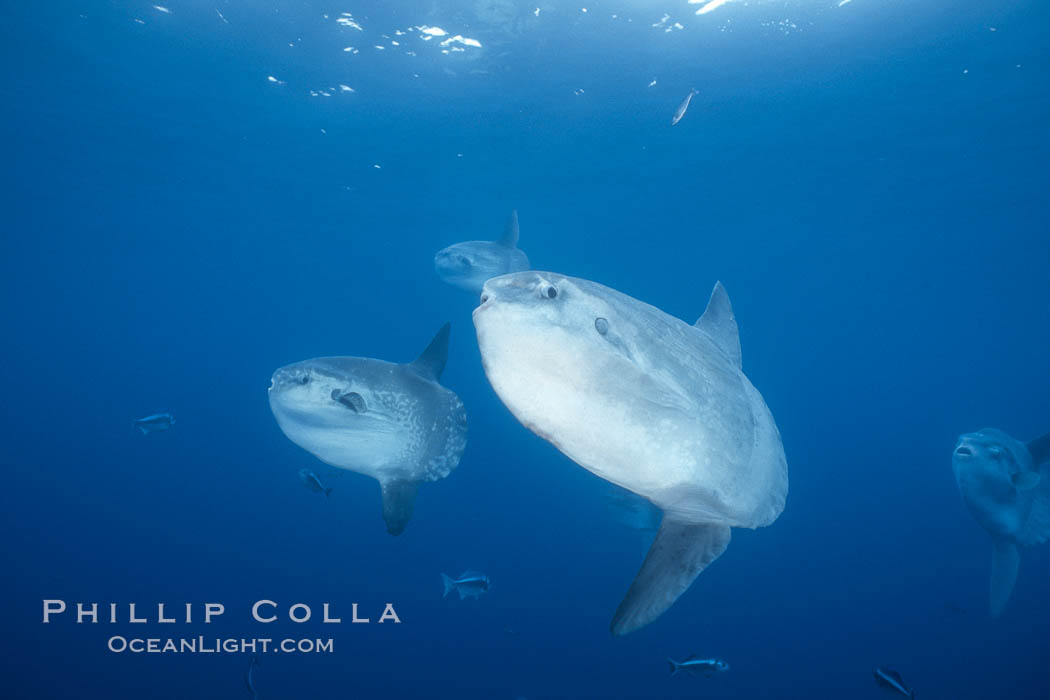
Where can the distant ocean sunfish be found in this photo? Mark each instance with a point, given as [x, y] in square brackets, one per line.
[1005, 484]
[643, 400]
[470, 264]
[392, 422]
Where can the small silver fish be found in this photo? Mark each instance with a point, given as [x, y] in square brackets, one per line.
[156, 423]
[470, 584]
[313, 482]
[698, 667]
[890, 680]
[680, 112]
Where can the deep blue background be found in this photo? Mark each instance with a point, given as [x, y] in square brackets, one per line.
[870, 182]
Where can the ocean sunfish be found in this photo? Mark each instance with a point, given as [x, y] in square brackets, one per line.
[1005, 484]
[392, 422]
[684, 106]
[469, 264]
[643, 400]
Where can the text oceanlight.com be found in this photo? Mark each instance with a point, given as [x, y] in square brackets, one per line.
[203, 645]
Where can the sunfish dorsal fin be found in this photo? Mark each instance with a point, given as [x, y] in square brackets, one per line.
[1040, 449]
[431, 362]
[678, 555]
[719, 323]
[509, 239]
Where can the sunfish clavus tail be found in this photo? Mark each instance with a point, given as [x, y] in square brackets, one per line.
[393, 422]
[643, 400]
[1005, 484]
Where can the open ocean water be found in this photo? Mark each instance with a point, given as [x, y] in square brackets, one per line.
[198, 192]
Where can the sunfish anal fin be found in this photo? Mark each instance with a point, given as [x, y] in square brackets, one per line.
[1005, 560]
[1040, 449]
[719, 323]
[399, 499]
[431, 362]
[509, 239]
[678, 555]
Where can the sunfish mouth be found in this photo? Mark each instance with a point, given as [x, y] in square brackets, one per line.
[964, 451]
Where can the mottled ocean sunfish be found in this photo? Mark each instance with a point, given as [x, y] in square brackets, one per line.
[470, 584]
[469, 264]
[392, 422]
[683, 107]
[658, 407]
[1005, 484]
[698, 667]
[891, 681]
[157, 423]
[313, 482]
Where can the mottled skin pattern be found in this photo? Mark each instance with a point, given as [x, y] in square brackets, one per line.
[401, 427]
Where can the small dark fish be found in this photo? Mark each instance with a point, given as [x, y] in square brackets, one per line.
[680, 112]
[249, 682]
[313, 482]
[890, 680]
[471, 584]
[698, 667]
[156, 423]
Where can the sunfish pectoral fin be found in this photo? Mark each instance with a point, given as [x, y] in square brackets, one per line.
[678, 555]
[431, 362]
[399, 499]
[509, 239]
[719, 323]
[1005, 560]
[1040, 449]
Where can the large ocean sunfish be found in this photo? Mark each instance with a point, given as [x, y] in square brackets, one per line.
[392, 422]
[1005, 485]
[643, 400]
[470, 264]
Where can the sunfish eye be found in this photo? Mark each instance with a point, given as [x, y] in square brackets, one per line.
[351, 399]
[552, 292]
[304, 379]
[601, 325]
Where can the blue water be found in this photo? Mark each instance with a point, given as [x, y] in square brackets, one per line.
[868, 181]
